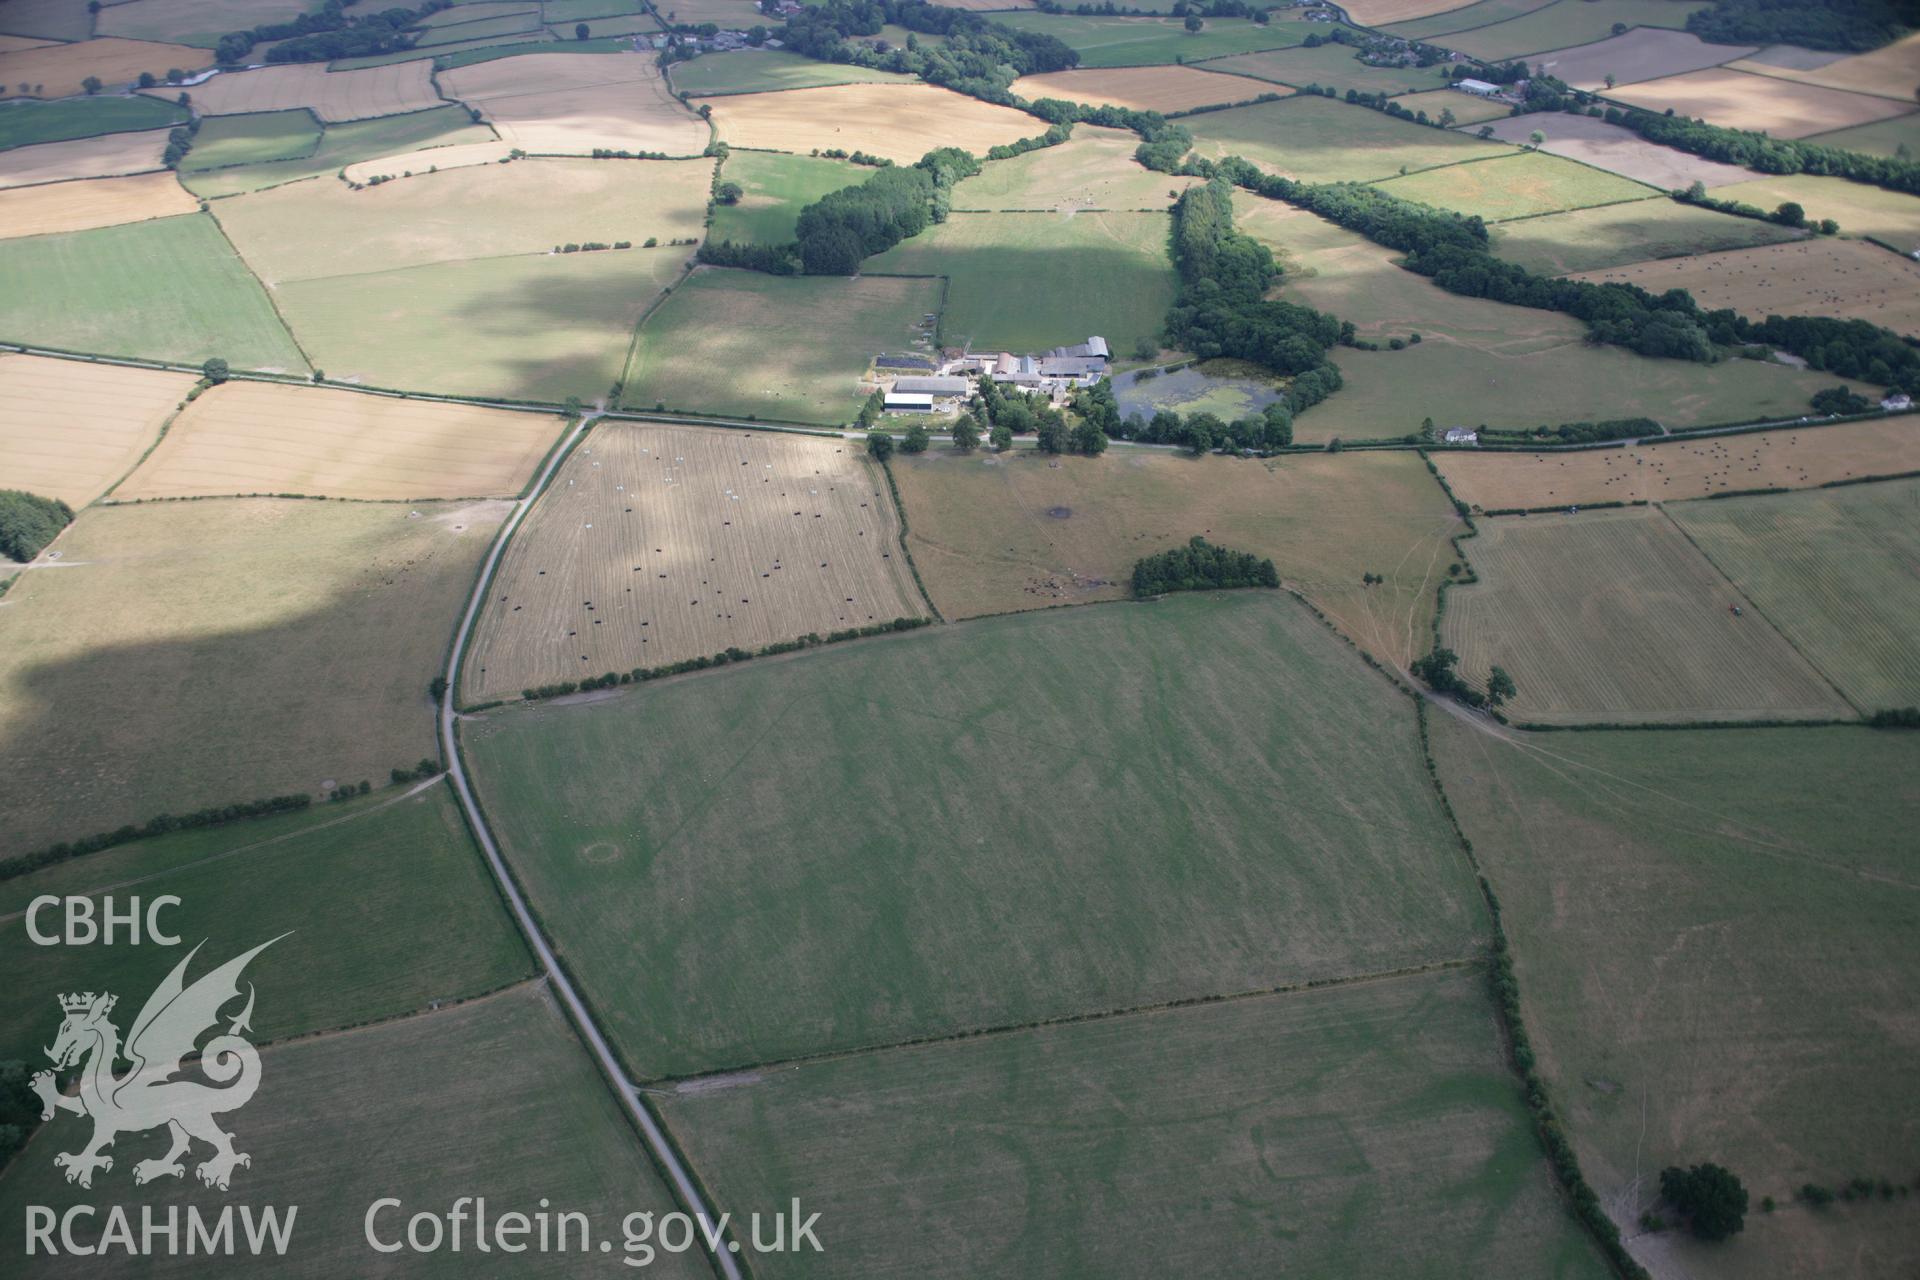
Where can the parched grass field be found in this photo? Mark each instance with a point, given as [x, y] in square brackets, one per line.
[1742, 100]
[1364, 1130]
[462, 53]
[766, 70]
[342, 146]
[1644, 53]
[899, 121]
[658, 544]
[1842, 279]
[777, 187]
[1565, 23]
[1466, 107]
[1518, 186]
[26, 121]
[165, 662]
[296, 232]
[1889, 71]
[625, 24]
[256, 437]
[1834, 570]
[97, 202]
[1022, 531]
[1617, 150]
[353, 956]
[484, 148]
[1883, 138]
[1031, 281]
[170, 289]
[529, 327]
[1094, 169]
[1315, 139]
[1614, 617]
[1792, 457]
[1331, 64]
[331, 95]
[739, 14]
[69, 429]
[103, 157]
[390, 1110]
[747, 344]
[1206, 836]
[1144, 88]
[1614, 235]
[567, 103]
[194, 22]
[1463, 18]
[1859, 209]
[503, 26]
[1140, 42]
[57, 70]
[1379, 13]
[259, 138]
[1708, 929]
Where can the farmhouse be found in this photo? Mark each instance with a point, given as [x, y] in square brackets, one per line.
[1479, 88]
[1460, 435]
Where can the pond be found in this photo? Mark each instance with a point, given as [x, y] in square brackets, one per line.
[1229, 389]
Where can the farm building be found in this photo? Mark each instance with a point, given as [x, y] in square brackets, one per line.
[1479, 88]
[909, 402]
[1460, 435]
[1896, 402]
[950, 385]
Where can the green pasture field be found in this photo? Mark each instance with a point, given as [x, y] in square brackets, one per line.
[448, 56]
[351, 957]
[170, 289]
[257, 138]
[945, 859]
[1567, 23]
[344, 144]
[1861, 210]
[191, 654]
[47, 19]
[1361, 1130]
[199, 23]
[1330, 64]
[1094, 169]
[1881, 138]
[1144, 42]
[777, 186]
[1466, 108]
[1834, 570]
[530, 327]
[626, 24]
[571, 11]
[789, 348]
[760, 70]
[1617, 235]
[1317, 139]
[1031, 281]
[485, 29]
[1468, 17]
[25, 123]
[1614, 617]
[493, 1098]
[1709, 931]
[1517, 186]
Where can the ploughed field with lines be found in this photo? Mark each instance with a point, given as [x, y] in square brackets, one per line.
[106, 156]
[1741, 100]
[573, 103]
[1616, 149]
[331, 95]
[657, 544]
[69, 429]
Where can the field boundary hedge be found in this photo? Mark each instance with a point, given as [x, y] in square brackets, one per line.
[900, 509]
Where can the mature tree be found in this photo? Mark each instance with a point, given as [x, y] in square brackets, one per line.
[1193, 23]
[1486, 131]
[1708, 1196]
[1500, 687]
[1001, 438]
[1089, 439]
[1610, 80]
[147, 80]
[1535, 138]
[880, 445]
[92, 84]
[1050, 432]
[917, 439]
[1790, 214]
[966, 433]
[580, 31]
[729, 193]
[1447, 118]
[870, 411]
[214, 370]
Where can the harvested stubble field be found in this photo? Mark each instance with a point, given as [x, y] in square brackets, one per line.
[529, 327]
[1023, 531]
[1139, 42]
[69, 429]
[899, 121]
[776, 188]
[484, 148]
[1842, 279]
[1316, 139]
[255, 437]
[1363, 1130]
[1644, 53]
[1834, 570]
[57, 70]
[1613, 617]
[1466, 107]
[747, 344]
[1464, 17]
[1033, 281]
[344, 1120]
[1613, 235]
[1223, 841]
[331, 95]
[484, 211]
[1160, 89]
[767, 70]
[572, 103]
[106, 156]
[194, 22]
[1708, 930]
[170, 289]
[1890, 71]
[97, 202]
[658, 544]
[1742, 100]
[1860, 210]
[1379, 13]
[1094, 169]
[157, 666]
[1679, 469]
[1331, 64]
[1566, 23]
[26, 121]
[263, 138]
[354, 956]
[1617, 150]
[343, 146]
[505, 26]
[1519, 186]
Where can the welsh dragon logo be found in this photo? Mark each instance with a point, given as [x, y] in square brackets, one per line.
[151, 1094]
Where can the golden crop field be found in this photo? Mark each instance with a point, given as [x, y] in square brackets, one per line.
[1790, 458]
[106, 156]
[899, 121]
[1842, 279]
[408, 164]
[1146, 88]
[260, 437]
[1861, 210]
[1890, 72]
[57, 70]
[1742, 100]
[14, 44]
[394, 89]
[1614, 617]
[1094, 169]
[69, 429]
[97, 202]
[655, 544]
[568, 103]
[1378, 13]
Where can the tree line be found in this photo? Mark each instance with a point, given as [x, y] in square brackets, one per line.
[1850, 25]
[974, 56]
[328, 33]
[28, 522]
[1201, 566]
[1766, 154]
